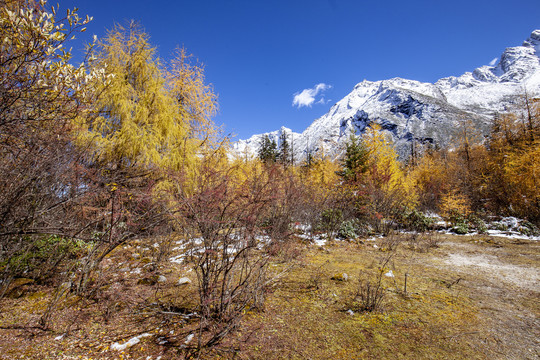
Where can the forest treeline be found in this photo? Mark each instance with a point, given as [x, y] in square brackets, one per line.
[123, 146]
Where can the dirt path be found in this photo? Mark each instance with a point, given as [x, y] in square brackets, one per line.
[503, 278]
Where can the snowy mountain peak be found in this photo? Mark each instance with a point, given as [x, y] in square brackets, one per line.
[533, 41]
[413, 111]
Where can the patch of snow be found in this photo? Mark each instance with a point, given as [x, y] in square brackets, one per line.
[177, 259]
[196, 241]
[133, 341]
[189, 338]
[389, 274]
[263, 239]
[319, 240]
[512, 235]
[302, 227]
[510, 222]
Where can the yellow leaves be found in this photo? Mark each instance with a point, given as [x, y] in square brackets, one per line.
[454, 203]
[185, 81]
[322, 172]
[384, 170]
[383, 157]
[112, 187]
[140, 123]
[521, 173]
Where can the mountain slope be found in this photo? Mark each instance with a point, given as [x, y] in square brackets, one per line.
[426, 113]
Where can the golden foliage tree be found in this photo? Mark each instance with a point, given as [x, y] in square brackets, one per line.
[512, 177]
[146, 116]
[322, 172]
[430, 179]
[186, 83]
[384, 170]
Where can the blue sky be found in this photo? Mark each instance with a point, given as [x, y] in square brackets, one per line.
[259, 54]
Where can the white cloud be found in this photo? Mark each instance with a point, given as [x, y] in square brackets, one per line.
[307, 97]
[493, 62]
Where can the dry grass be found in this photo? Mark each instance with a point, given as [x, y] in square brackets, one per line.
[448, 312]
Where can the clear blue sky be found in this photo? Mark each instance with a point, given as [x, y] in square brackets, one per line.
[259, 54]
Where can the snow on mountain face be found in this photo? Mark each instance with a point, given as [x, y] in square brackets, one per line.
[426, 113]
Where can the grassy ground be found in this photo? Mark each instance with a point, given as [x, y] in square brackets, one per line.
[466, 298]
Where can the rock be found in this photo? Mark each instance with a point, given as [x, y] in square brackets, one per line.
[161, 279]
[184, 281]
[340, 277]
[146, 281]
[146, 260]
[18, 287]
[20, 282]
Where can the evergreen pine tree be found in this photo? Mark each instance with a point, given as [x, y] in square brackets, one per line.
[284, 150]
[355, 161]
[268, 152]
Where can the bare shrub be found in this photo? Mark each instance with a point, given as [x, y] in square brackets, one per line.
[284, 208]
[126, 208]
[370, 291]
[222, 213]
[385, 207]
[431, 239]
[390, 242]
[41, 172]
[317, 275]
[423, 242]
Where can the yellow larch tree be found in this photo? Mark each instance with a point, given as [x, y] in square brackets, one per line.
[384, 169]
[139, 119]
[186, 83]
[430, 180]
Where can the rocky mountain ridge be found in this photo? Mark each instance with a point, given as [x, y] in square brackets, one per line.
[409, 110]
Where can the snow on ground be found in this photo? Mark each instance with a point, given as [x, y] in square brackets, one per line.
[319, 240]
[506, 234]
[512, 235]
[129, 343]
[508, 227]
[196, 246]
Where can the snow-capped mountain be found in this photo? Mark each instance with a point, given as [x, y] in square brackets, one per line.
[424, 112]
